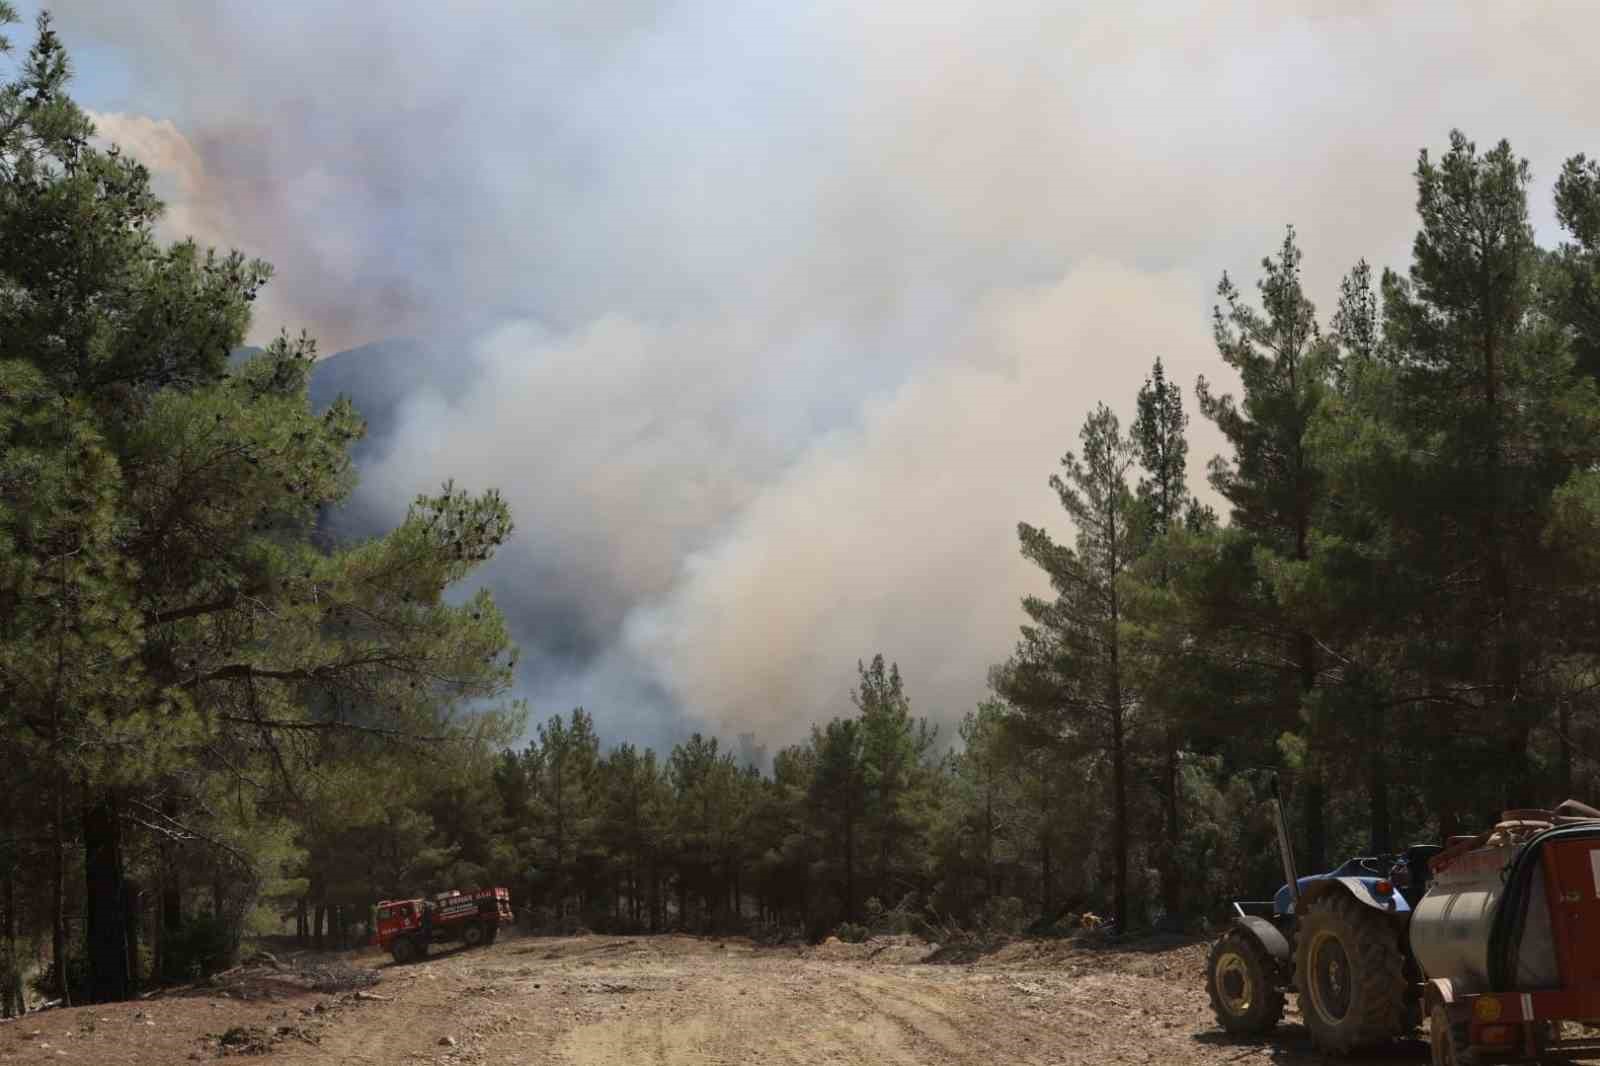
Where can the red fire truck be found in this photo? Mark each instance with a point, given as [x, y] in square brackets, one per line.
[407, 926]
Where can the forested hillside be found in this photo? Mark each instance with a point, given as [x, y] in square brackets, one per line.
[216, 718]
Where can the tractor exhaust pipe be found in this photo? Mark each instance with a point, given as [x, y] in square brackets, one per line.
[1285, 847]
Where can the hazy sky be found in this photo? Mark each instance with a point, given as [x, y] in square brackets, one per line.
[772, 319]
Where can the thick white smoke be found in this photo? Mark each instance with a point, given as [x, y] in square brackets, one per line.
[772, 320]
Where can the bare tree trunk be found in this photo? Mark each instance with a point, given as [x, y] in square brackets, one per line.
[1172, 871]
[170, 923]
[105, 915]
[1316, 797]
[850, 869]
[10, 968]
[132, 910]
[1378, 787]
[58, 893]
[1564, 730]
[1119, 815]
[1046, 866]
[988, 837]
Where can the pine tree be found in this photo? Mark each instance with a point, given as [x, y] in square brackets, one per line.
[1272, 484]
[1068, 675]
[839, 796]
[892, 747]
[1160, 432]
[169, 608]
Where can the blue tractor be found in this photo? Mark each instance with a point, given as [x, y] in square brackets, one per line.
[1337, 939]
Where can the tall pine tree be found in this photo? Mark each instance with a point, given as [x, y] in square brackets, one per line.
[1068, 677]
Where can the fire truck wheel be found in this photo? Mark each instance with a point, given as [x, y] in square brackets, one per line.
[404, 950]
[1447, 1043]
[473, 934]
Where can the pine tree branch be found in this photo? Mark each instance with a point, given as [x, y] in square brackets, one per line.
[291, 724]
[196, 610]
[246, 671]
[176, 830]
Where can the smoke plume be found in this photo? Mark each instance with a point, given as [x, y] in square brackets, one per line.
[773, 320]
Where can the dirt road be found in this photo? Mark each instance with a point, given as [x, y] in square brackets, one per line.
[676, 1001]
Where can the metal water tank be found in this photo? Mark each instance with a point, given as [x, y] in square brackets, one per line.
[1450, 926]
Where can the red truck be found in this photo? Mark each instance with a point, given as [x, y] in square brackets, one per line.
[407, 926]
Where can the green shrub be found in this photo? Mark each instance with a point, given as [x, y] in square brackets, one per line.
[44, 982]
[851, 933]
[205, 944]
[1006, 916]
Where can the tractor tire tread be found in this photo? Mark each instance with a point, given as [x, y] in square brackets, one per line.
[1269, 1011]
[1378, 1001]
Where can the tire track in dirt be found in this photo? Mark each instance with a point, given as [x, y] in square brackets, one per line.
[814, 1017]
[677, 1001]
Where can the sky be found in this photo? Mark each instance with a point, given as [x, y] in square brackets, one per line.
[772, 320]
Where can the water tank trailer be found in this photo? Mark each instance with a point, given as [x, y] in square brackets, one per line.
[1494, 939]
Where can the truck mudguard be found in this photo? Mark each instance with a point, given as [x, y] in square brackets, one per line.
[1361, 890]
[1269, 937]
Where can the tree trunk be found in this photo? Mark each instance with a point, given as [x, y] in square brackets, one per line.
[10, 967]
[1519, 790]
[1564, 729]
[850, 869]
[1171, 868]
[105, 915]
[1047, 888]
[171, 895]
[1378, 787]
[58, 894]
[132, 909]
[1119, 815]
[1315, 794]
[171, 920]
[1046, 867]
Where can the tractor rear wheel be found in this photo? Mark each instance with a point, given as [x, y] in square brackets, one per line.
[1243, 985]
[1349, 971]
[472, 935]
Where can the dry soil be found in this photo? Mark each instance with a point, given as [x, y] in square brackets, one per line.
[678, 1001]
